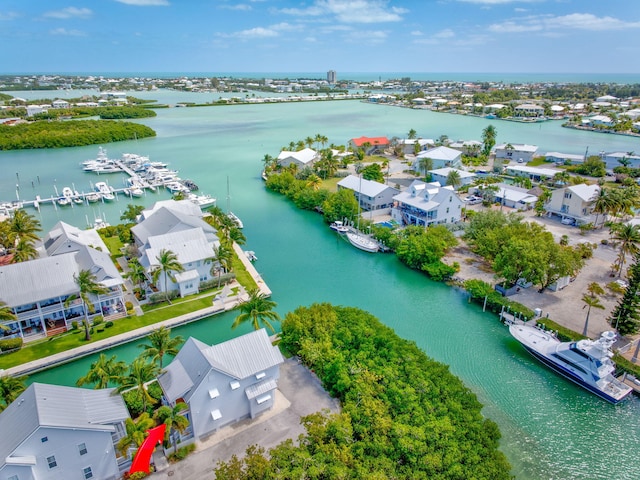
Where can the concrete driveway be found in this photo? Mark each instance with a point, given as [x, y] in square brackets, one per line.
[299, 393]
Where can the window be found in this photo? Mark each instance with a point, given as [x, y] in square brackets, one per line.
[82, 448]
[44, 439]
[87, 472]
[260, 375]
[52, 461]
[234, 385]
[214, 393]
[216, 415]
[567, 195]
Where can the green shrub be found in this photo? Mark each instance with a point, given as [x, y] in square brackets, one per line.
[9, 344]
[182, 453]
[162, 297]
[97, 321]
[128, 305]
[137, 475]
[74, 325]
[495, 301]
[109, 324]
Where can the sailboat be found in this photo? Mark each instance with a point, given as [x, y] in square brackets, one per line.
[357, 238]
[230, 214]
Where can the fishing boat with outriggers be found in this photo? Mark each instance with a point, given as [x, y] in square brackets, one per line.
[585, 362]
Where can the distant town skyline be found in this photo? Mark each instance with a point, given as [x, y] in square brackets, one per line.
[129, 36]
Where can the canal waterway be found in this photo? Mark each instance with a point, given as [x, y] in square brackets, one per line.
[551, 428]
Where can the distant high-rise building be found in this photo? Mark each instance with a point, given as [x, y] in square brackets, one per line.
[332, 76]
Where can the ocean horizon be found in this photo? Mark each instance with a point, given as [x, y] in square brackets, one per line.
[503, 77]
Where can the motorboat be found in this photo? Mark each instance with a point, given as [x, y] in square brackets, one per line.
[191, 185]
[134, 192]
[77, 198]
[176, 187]
[203, 201]
[234, 218]
[66, 198]
[251, 255]
[585, 362]
[339, 227]
[363, 242]
[105, 191]
[92, 197]
[99, 223]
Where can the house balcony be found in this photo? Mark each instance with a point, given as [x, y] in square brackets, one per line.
[564, 213]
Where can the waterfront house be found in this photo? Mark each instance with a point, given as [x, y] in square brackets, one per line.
[441, 157]
[529, 110]
[441, 175]
[301, 158]
[224, 383]
[596, 120]
[38, 289]
[371, 194]
[370, 145]
[179, 228]
[564, 158]
[426, 204]
[468, 147]
[574, 202]
[508, 196]
[613, 159]
[535, 174]
[409, 144]
[59, 103]
[51, 432]
[522, 153]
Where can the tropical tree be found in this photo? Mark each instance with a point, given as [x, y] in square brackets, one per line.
[562, 177]
[309, 141]
[6, 313]
[603, 203]
[412, 134]
[174, 420]
[161, 344]
[24, 226]
[591, 300]
[627, 238]
[10, 389]
[168, 264]
[25, 250]
[258, 309]
[131, 213]
[425, 164]
[224, 256]
[489, 135]
[314, 182]
[140, 374]
[626, 316]
[453, 179]
[135, 433]
[87, 285]
[103, 372]
[136, 273]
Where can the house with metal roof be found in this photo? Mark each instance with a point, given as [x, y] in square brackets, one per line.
[51, 432]
[224, 383]
[536, 174]
[441, 175]
[520, 152]
[508, 195]
[426, 204]
[175, 228]
[409, 144]
[371, 194]
[574, 202]
[564, 158]
[441, 157]
[37, 290]
[302, 158]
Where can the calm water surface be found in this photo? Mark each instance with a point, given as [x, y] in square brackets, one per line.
[551, 429]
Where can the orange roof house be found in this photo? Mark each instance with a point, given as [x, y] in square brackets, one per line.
[376, 144]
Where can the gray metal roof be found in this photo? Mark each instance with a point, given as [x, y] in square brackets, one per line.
[60, 407]
[188, 245]
[175, 381]
[165, 220]
[366, 187]
[441, 153]
[259, 388]
[65, 238]
[99, 264]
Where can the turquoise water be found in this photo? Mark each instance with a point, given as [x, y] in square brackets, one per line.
[551, 428]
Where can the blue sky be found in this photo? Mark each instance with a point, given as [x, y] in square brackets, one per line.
[66, 36]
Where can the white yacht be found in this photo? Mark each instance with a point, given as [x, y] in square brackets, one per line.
[105, 191]
[363, 242]
[203, 200]
[585, 362]
[235, 219]
[339, 227]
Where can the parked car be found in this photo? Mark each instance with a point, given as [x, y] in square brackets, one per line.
[568, 221]
[472, 200]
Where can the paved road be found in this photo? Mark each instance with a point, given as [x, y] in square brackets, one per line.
[300, 393]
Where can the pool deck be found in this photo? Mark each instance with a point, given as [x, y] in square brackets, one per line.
[222, 302]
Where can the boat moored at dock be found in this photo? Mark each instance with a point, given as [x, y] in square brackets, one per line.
[363, 242]
[585, 362]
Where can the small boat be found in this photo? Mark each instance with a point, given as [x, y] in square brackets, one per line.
[92, 197]
[63, 201]
[363, 242]
[175, 187]
[191, 185]
[105, 191]
[235, 219]
[251, 255]
[585, 362]
[66, 198]
[99, 223]
[77, 198]
[134, 192]
[339, 227]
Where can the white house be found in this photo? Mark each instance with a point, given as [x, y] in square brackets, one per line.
[612, 159]
[441, 157]
[178, 228]
[371, 194]
[535, 174]
[409, 144]
[520, 152]
[529, 110]
[467, 146]
[426, 204]
[563, 158]
[574, 202]
[35, 110]
[441, 175]
[510, 196]
[59, 103]
[301, 158]
[224, 383]
[598, 120]
[51, 433]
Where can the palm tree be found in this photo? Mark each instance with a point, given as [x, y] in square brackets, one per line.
[136, 432]
[258, 309]
[425, 164]
[562, 177]
[103, 372]
[167, 264]
[24, 250]
[489, 135]
[628, 238]
[309, 141]
[140, 373]
[88, 285]
[10, 389]
[173, 419]
[136, 273]
[6, 313]
[591, 300]
[314, 182]
[412, 134]
[236, 235]
[224, 257]
[24, 226]
[603, 204]
[161, 344]
[453, 179]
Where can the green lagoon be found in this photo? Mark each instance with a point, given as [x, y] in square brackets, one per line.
[551, 428]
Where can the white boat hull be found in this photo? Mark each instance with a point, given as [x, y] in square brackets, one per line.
[362, 242]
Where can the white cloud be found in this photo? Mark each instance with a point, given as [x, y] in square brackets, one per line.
[498, 2]
[8, 15]
[240, 7]
[70, 12]
[367, 37]
[550, 23]
[145, 3]
[446, 33]
[67, 33]
[262, 32]
[351, 11]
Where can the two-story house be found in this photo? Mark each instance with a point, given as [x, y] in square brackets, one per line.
[51, 432]
[370, 145]
[223, 383]
[372, 195]
[426, 204]
[574, 203]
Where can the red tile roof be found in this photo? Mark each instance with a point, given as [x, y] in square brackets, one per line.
[358, 142]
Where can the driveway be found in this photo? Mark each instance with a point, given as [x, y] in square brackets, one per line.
[299, 393]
